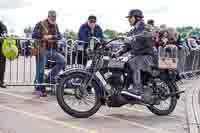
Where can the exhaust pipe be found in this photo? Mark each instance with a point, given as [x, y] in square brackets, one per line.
[175, 94]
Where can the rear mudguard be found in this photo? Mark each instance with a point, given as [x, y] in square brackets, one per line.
[101, 89]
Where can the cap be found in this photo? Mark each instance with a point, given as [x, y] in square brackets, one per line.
[52, 13]
[92, 17]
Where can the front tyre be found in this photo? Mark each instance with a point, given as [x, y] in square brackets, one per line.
[168, 87]
[69, 87]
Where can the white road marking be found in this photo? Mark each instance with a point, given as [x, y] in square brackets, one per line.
[154, 130]
[46, 119]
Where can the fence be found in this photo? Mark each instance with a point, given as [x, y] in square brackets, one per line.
[22, 71]
[189, 62]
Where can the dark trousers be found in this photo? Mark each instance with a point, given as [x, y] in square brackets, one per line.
[2, 64]
[138, 64]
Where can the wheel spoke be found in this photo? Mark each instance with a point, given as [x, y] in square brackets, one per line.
[164, 104]
[73, 102]
[86, 102]
[166, 101]
[89, 100]
[79, 102]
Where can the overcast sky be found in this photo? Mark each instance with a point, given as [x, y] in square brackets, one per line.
[17, 14]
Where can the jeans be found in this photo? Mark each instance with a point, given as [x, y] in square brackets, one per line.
[41, 61]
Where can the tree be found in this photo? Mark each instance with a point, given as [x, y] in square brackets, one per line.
[110, 33]
[28, 31]
[189, 30]
[70, 34]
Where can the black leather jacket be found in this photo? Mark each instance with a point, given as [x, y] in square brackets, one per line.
[142, 42]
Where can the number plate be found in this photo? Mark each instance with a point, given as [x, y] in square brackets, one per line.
[167, 63]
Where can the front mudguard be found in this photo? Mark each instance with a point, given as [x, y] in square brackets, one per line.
[101, 89]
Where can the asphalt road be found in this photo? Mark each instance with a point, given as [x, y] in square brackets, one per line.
[22, 112]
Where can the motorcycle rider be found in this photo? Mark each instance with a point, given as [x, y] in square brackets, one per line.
[140, 45]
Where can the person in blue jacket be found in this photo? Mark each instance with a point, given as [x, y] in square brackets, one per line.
[87, 30]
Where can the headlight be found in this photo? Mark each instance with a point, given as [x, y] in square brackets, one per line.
[89, 63]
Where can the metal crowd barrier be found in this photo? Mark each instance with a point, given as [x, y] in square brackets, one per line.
[189, 63]
[22, 70]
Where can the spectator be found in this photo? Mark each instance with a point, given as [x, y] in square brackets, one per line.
[47, 33]
[173, 36]
[198, 41]
[87, 30]
[3, 30]
[151, 22]
[162, 39]
[192, 43]
[163, 26]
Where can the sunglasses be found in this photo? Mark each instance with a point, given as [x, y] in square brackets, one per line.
[92, 21]
[52, 16]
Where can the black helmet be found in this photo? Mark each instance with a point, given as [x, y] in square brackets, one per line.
[136, 13]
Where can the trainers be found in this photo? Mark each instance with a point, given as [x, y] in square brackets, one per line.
[2, 85]
[40, 94]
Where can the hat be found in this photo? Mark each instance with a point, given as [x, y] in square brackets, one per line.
[52, 13]
[92, 17]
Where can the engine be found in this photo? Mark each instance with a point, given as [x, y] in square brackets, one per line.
[115, 79]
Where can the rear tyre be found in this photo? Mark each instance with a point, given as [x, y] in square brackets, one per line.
[171, 88]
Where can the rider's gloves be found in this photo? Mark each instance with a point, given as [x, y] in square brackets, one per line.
[117, 54]
[127, 39]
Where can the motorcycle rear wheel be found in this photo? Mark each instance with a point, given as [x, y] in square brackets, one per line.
[173, 101]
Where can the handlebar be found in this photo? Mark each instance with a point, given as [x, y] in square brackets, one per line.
[101, 41]
[79, 41]
[115, 39]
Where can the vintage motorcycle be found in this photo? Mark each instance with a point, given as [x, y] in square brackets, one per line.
[106, 78]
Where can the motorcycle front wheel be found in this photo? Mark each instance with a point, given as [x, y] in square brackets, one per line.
[69, 95]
